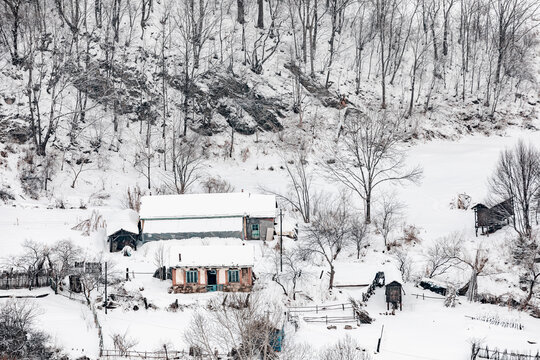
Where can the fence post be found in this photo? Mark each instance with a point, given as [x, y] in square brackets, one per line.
[127, 274]
[316, 309]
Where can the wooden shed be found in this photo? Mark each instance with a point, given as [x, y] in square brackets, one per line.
[393, 295]
[492, 219]
[123, 230]
[198, 269]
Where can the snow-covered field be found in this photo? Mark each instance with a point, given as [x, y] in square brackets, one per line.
[425, 329]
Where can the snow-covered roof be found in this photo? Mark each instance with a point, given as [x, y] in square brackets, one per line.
[193, 225]
[212, 255]
[208, 205]
[123, 219]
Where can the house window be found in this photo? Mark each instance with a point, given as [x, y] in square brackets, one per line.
[255, 233]
[192, 276]
[234, 276]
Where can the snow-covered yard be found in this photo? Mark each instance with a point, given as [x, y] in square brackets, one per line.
[425, 329]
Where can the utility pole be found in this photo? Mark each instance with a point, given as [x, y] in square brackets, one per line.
[379, 342]
[105, 287]
[281, 240]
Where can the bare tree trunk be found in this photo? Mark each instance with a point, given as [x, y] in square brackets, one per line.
[260, 18]
[240, 17]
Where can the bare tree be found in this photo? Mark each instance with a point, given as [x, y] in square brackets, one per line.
[123, 342]
[388, 217]
[363, 34]
[476, 259]
[64, 253]
[13, 15]
[299, 194]
[188, 163]
[441, 255]
[92, 278]
[17, 319]
[292, 271]
[359, 234]
[132, 198]
[193, 27]
[144, 156]
[328, 233]
[336, 9]
[79, 163]
[217, 185]
[236, 323]
[266, 44]
[371, 155]
[404, 263]
[34, 259]
[517, 177]
[530, 266]
[308, 14]
[160, 256]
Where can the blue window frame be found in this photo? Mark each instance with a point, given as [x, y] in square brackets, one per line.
[192, 276]
[234, 276]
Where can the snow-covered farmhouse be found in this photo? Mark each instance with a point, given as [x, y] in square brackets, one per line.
[195, 269]
[238, 215]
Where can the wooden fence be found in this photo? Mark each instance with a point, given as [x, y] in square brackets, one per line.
[295, 313]
[478, 353]
[19, 280]
[330, 319]
[158, 355]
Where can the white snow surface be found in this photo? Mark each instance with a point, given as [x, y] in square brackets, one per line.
[211, 255]
[125, 219]
[208, 205]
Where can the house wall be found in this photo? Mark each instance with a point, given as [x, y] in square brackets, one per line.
[264, 225]
[222, 276]
[146, 237]
[179, 284]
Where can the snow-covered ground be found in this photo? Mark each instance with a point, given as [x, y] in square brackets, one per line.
[425, 329]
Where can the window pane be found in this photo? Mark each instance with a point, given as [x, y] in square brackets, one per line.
[233, 276]
[192, 276]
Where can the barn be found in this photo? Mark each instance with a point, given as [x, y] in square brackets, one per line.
[122, 229]
[197, 269]
[491, 219]
[238, 215]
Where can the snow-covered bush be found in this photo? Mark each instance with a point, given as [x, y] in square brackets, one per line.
[20, 340]
[346, 349]
[217, 185]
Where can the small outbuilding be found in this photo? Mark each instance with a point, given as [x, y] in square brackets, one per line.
[393, 295]
[123, 230]
[224, 215]
[198, 269]
[492, 219]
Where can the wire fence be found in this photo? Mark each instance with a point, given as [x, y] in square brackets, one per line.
[478, 352]
[496, 320]
[330, 319]
[423, 297]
